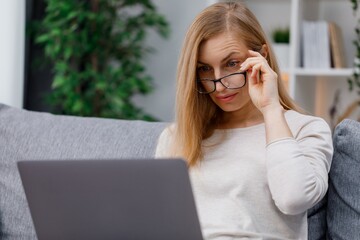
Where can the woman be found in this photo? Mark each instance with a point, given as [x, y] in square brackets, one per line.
[256, 164]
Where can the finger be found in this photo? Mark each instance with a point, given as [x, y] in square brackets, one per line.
[261, 66]
[252, 81]
[256, 69]
[254, 53]
[255, 61]
[254, 75]
[249, 62]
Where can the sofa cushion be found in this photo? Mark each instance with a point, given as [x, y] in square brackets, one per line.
[343, 211]
[26, 135]
[317, 220]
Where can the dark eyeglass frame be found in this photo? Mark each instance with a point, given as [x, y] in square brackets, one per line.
[219, 80]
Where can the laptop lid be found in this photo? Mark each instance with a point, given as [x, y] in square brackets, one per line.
[110, 199]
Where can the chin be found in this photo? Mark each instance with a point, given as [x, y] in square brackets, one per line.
[229, 108]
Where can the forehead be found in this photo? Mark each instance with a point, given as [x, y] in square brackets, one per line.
[219, 47]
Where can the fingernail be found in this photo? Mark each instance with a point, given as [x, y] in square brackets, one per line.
[242, 67]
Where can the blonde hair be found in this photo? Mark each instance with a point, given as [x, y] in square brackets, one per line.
[196, 114]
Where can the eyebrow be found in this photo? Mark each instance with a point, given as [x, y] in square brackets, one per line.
[225, 59]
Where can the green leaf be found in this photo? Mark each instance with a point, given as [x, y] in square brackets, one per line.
[55, 32]
[72, 15]
[60, 67]
[78, 106]
[68, 53]
[101, 86]
[58, 82]
[42, 38]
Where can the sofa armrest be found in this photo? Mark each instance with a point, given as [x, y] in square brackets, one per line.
[343, 210]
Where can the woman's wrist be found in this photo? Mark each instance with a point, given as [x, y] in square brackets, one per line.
[275, 123]
[272, 110]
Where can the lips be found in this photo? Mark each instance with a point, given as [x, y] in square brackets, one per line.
[226, 98]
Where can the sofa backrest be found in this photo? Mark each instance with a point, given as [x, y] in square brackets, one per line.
[26, 135]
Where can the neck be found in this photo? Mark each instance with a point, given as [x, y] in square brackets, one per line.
[247, 116]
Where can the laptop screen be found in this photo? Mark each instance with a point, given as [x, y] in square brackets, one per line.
[132, 199]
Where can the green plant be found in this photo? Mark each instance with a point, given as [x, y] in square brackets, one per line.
[281, 35]
[97, 50]
[354, 81]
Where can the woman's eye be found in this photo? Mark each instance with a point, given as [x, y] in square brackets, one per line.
[204, 69]
[233, 64]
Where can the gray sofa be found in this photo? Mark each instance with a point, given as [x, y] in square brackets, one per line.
[32, 135]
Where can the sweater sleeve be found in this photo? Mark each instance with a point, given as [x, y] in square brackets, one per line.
[164, 142]
[298, 167]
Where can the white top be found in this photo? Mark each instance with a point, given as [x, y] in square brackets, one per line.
[245, 189]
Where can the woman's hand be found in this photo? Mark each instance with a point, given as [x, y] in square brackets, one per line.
[262, 80]
[264, 93]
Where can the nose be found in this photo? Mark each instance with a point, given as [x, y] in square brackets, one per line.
[219, 87]
[217, 73]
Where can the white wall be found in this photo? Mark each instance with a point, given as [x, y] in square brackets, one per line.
[12, 38]
[162, 64]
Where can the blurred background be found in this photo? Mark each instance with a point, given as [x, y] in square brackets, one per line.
[118, 59]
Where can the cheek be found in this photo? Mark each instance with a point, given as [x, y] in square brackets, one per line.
[243, 94]
[212, 98]
[245, 90]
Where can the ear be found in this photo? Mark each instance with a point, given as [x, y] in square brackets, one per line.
[264, 50]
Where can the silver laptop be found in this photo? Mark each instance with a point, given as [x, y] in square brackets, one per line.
[110, 199]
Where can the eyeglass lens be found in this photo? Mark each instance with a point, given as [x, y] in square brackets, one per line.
[233, 81]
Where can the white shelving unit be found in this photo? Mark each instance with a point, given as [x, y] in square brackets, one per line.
[313, 89]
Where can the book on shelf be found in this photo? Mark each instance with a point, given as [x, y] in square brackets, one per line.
[337, 46]
[322, 45]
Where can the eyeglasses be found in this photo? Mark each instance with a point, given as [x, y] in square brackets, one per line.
[232, 81]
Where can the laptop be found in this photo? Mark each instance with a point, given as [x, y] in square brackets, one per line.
[147, 199]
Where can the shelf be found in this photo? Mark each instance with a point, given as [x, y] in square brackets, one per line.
[289, 1]
[344, 72]
[311, 88]
[327, 0]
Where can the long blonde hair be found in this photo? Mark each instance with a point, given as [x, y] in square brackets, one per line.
[196, 114]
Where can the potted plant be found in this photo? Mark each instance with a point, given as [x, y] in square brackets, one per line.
[281, 46]
[97, 49]
[354, 81]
